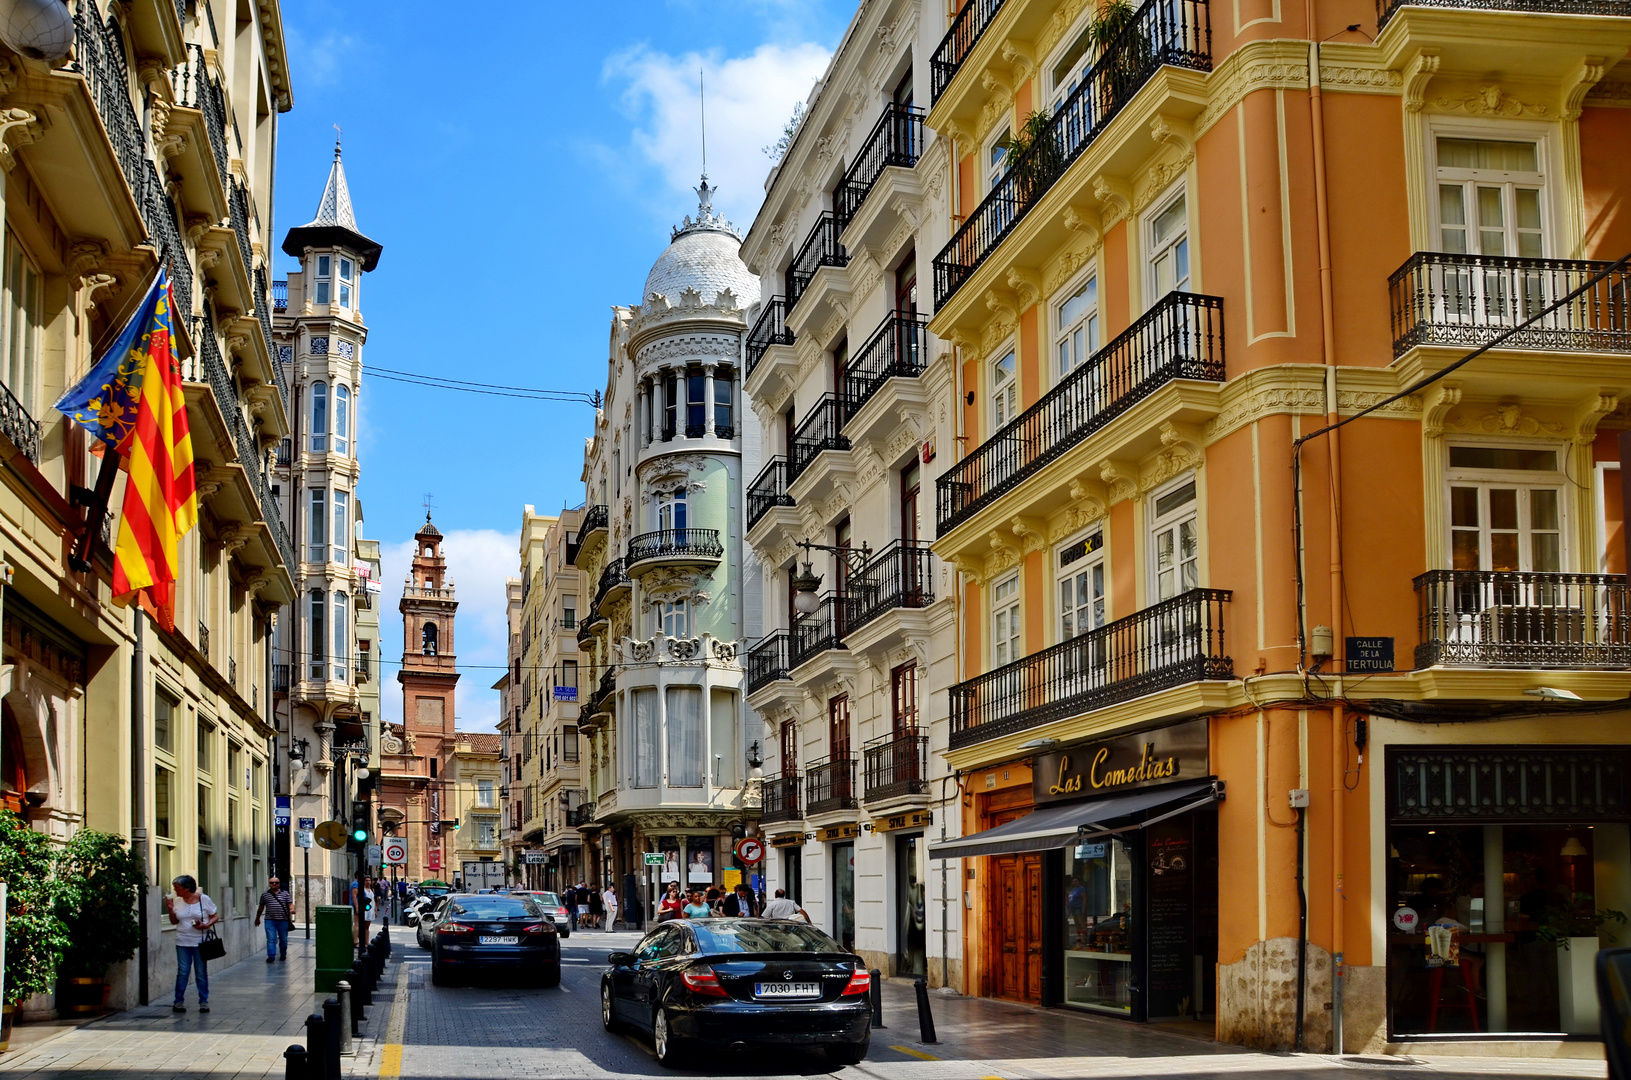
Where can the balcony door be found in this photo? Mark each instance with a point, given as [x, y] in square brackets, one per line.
[1175, 560]
[671, 511]
[1490, 202]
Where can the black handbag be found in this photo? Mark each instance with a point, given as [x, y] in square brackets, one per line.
[212, 947]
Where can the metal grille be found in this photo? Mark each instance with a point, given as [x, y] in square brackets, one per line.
[1386, 8]
[21, 428]
[821, 429]
[596, 518]
[1511, 619]
[832, 785]
[898, 348]
[896, 765]
[769, 489]
[1528, 784]
[676, 543]
[897, 139]
[901, 575]
[610, 578]
[821, 248]
[959, 41]
[820, 630]
[771, 329]
[781, 799]
[768, 660]
[196, 90]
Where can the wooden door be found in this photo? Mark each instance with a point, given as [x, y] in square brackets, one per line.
[1015, 926]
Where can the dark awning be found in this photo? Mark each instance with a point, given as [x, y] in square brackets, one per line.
[1056, 826]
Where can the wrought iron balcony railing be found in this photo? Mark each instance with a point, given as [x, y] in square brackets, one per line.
[595, 519]
[768, 660]
[781, 801]
[1465, 301]
[577, 817]
[1386, 8]
[896, 139]
[203, 639]
[768, 490]
[771, 329]
[18, 426]
[898, 348]
[232, 671]
[1168, 644]
[1523, 619]
[611, 577]
[821, 248]
[821, 429]
[365, 666]
[822, 629]
[970, 22]
[1179, 338]
[280, 678]
[1175, 32]
[280, 297]
[675, 544]
[899, 576]
[238, 208]
[831, 785]
[195, 89]
[896, 764]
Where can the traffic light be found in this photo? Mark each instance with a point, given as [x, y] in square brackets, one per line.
[356, 840]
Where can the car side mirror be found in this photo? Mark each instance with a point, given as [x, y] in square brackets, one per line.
[620, 959]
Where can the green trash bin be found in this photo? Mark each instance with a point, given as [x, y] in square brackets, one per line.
[336, 948]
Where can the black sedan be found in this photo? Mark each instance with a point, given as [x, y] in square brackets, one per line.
[487, 932]
[732, 983]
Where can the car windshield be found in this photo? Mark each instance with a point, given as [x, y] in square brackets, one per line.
[751, 936]
[494, 907]
[548, 899]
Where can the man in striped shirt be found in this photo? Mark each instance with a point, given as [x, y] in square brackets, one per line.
[278, 907]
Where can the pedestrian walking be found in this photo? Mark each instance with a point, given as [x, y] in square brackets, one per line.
[595, 907]
[609, 899]
[276, 906]
[192, 914]
[697, 908]
[671, 904]
[740, 903]
[783, 908]
[583, 902]
[362, 907]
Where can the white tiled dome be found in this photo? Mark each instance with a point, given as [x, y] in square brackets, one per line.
[705, 255]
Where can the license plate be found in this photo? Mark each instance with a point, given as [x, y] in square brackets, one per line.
[787, 990]
[500, 939]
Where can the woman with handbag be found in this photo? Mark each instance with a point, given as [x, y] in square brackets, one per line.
[671, 904]
[194, 916]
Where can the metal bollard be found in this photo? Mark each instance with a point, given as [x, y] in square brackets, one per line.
[294, 1063]
[360, 982]
[348, 1029]
[331, 1042]
[316, 1037]
[925, 1019]
[877, 998]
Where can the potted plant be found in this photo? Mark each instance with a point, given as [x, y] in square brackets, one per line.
[35, 936]
[1573, 926]
[99, 884]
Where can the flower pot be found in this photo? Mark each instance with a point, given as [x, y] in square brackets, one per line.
[79, 995]
[1576, 986]
[7, 1015]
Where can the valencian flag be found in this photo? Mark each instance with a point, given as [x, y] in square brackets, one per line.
[132, 400]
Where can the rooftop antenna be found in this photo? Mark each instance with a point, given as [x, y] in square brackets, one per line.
[702, 104]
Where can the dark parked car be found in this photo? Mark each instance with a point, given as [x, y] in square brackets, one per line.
[425, 931]
[551, 903]
[485, 932]
[737, 983]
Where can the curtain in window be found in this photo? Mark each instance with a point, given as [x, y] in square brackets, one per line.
[723, 754]
[645, 738]
[685, 744]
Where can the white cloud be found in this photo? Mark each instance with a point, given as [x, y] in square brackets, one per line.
[478, 561]
[749, 99]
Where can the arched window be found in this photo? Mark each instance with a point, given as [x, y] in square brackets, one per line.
[319, 418]
[427, 639]
[342, 643]
[317, 640]
[342, 418]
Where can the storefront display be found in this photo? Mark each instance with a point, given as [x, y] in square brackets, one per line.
[911, 927]
[1099, 925]
[843, 887]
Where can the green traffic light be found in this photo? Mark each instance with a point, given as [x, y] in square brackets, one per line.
[359, 835]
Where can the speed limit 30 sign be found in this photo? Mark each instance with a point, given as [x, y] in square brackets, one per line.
[396, 853]
[750, 850]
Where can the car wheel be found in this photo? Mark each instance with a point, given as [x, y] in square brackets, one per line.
[608, 1012]
[439, 975]
[566, 932]
[848, 1053]
[670, 1050]
[551, 975]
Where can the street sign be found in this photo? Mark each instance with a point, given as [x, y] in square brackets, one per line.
[331, 835]
[373, 855]
[396, 853]
[280, 812]
[534, 858]
[750, 849]
[303, 838]
[566, 693]
[1369, 653]
[654, 858]
[308, 823]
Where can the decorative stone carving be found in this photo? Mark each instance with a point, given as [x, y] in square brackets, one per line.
[684, 648]
[1493, 100]
[1417, 74]
[18, 128]
[1579, 83]
[1121, 479]
[724, 651]
[1441, 398]
[1589, 414]
[1507, 418]
[1027, 285]
[1115, 197]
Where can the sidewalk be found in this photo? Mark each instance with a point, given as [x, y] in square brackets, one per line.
[257, 1010]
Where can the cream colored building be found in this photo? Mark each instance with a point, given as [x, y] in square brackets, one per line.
[854, 396]
[471, 785]
[110, 721]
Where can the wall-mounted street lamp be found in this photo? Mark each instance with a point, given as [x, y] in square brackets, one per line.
[298, 749]
[756, 757]
[807, 583]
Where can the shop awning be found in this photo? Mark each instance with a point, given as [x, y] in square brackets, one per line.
[1056, 826]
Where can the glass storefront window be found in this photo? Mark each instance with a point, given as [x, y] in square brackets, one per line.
[843, 893]
[911, 927]
[1098, 881]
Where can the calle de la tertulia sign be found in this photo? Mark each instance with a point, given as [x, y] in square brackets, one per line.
[1143, 759]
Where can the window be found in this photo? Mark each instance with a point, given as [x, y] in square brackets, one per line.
[206, 746]
[347, 282]
[484, 794]
[325, 267]
[22, 314]
[1506, 508]
[342, 418]
[1004, 392]
[1169, 250]
[671, 408]
[163, 780]
[1081, 587]
[317, 540]
[695, 406]
[427, 639]
[996, 158]
[645, 763]
[910, 485]
[487, 834]
[673, 617]
[1070, 67]
[722, 744]
[569, 745]
[903, 698]
[342, 631]
[1005, 621]
[164, 717]
[671, 510]
[317, 640]
[724, 425]
[838, 740]
[789, 747]
[319, 418]
[1175, 540]
[342, 506]
[235, 765]
[1489, 197]
[685, 732]
[569, 673]
[1078, 327]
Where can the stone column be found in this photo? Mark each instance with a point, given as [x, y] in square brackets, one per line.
[642, 419]
[708, 399]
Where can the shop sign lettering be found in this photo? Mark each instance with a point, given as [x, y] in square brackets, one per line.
[1147, 758]
[838, 832]
[791, 839]
[912, 820]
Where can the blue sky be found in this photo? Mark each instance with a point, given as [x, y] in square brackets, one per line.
[522, 174]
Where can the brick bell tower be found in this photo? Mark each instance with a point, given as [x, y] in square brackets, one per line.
[429, 676]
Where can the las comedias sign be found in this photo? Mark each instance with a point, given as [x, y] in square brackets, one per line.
[1143, 759]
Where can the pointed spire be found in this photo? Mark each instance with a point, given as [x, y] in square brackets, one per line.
[706, 220]
[336, 222]
[335, 207]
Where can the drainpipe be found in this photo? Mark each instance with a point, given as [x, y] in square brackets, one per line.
[138, 795]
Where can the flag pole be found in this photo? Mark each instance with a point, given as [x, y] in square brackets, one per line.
[96, 501]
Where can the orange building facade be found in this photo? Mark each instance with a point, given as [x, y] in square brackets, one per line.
[1355, 695]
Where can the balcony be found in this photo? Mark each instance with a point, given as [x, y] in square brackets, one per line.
[613, 579]
[781, 800]
[593, 531]
[280, 296]
[674, 547]
[1386, 8]
[1512, 619]
[280, 678]
[820, 430]
[1168, 644]
[203, 640]
[196, 133]
[821, 630]
[1179, 338]
[365, 667]
[1466, 301]
[831, 785]
[579, 816]
[768, 660]
[901, 575]
[1175, 32]
[768, 490]
[771, 329]
[22, 429]
[896, 765]
[821, 249]
[896, 140]
[965, 32]
[897, 349]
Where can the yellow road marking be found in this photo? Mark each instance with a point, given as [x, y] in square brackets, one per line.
[914, 1053]
[390, 1062]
